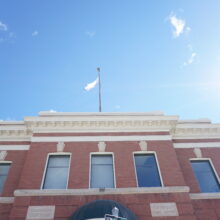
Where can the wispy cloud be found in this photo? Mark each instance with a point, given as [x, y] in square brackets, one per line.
[35, 33]
[179, 25]
[190, 60]
[3, 27]
[6, 35]
[90, 33]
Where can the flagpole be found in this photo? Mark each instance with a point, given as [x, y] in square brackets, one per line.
[100, 101]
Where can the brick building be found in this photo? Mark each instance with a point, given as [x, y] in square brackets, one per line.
[153, 166]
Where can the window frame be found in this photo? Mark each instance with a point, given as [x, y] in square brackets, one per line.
[213, 169]
[113, 166]
[157, 163]
[5, 162]
[46, 165]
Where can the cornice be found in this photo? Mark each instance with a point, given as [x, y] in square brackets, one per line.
[15, 135]
[101, 125]
[194, 131]
[52, 122]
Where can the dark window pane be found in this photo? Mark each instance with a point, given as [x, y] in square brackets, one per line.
[147, 171]
[57, 172]
[205, 176]
[4, 168]
[102, 175]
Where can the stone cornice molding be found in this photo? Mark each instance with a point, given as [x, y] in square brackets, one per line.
[10, 130]
[48, 122]
[101, 121]
[194, 131]
[15, 134]
[102, 125]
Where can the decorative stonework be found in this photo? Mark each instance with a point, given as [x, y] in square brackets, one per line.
[40, 213]
[60, 146]
[198, 152]
[101, 146]
[109, 122]
[106, 124]
[3, 154]
[197, 131]
[163, 209]
[143, 145]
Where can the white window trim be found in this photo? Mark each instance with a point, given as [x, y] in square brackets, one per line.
[157, 162]
[90, 165]
[45, 168]
[5, 161]
[212, 166]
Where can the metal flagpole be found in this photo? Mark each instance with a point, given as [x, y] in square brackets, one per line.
[100, 101]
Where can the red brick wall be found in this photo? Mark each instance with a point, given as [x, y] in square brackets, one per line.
[35, 163]
[18, 160]
[207, 209]
[138, 203]
[184, 156]
[5, 210]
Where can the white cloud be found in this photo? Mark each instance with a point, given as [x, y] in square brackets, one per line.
[178, 24]
[190, 60]
[3, 27]
[90, 33]
[35, 33]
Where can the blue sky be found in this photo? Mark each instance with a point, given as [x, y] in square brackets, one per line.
[153, 55]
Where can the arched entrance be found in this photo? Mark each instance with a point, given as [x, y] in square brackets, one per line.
[98, 208]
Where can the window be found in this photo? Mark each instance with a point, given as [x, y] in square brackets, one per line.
[4, 168]
[57, 172]
[146, 170]
[102, 175]
[205, 176]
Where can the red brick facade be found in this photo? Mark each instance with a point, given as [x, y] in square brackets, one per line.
[39, 136]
